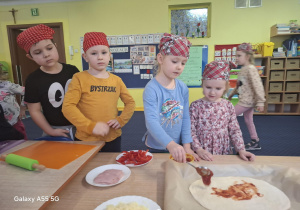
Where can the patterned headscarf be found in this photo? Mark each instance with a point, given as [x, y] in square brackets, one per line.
[33, 35]
[94, 38]
[174, 45]
[218, 70]
[245, 47]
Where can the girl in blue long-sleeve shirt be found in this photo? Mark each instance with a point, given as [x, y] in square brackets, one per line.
[166, 102]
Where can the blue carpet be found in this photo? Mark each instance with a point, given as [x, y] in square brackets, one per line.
[279, 135]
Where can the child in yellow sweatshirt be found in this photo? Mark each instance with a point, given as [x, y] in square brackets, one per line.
[92, 97]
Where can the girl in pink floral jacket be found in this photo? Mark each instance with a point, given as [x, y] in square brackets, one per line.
[213, 120]
[12, 111]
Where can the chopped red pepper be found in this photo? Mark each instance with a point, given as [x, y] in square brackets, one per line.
[134, 157]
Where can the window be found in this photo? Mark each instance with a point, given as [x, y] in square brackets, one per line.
[191, 21]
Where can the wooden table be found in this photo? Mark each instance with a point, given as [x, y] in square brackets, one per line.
[18, 185]
[147, 181]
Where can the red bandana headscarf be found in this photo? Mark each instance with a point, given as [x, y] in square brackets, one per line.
[218, 70]
[245, 47]
[33, 35]
[174, 45]
[94, 38]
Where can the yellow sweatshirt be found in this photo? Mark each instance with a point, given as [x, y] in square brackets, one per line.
[90, 100]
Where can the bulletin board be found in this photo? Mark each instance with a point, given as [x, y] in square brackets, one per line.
[135, 73]
[226, 52]
[134, 64]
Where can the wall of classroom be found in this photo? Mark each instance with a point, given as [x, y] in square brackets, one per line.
[121, 17]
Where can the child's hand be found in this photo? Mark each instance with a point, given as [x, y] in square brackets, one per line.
[114, 124]
[177, 152]
[260, 108]
[101, 129]
[247, 156]
[22, 112]
[190, 151]
[205, 155]
[59, 132]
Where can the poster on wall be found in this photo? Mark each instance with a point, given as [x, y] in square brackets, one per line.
[122, 66]
[143, 54]
[226, 52]
[192, 74]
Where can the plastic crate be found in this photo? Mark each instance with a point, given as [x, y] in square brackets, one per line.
[266, 49]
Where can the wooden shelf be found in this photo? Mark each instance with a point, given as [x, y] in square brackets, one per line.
[274, 32]
[276, 69]
[294, 68]
[282, 113]
[282, 107]
[290, 34]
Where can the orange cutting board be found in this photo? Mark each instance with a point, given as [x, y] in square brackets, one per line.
[54, 155]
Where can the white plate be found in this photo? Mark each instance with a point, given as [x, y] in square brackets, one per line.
[132, 165]
[96, 171]
[128, 199]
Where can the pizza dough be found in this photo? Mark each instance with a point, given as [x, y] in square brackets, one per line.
[126, 206]
[270, 196]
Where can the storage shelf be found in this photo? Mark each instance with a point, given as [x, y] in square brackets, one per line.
[274, 32]
[293, 68]
[290, 34]
[282, 107]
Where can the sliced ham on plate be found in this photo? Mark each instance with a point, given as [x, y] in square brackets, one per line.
[109, 177]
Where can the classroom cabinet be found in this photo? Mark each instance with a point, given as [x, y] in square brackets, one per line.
[282, 85]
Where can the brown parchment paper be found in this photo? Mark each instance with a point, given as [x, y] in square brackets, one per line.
[180, 176]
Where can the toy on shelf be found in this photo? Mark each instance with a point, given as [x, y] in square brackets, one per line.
[261, 70]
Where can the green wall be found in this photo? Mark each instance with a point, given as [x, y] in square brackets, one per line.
[121, 17]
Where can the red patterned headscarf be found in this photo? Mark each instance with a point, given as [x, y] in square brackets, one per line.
[33, 35]
[94, 38]
[174, 45]
[245, 47]
[218, 70]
